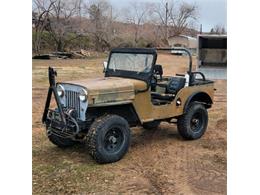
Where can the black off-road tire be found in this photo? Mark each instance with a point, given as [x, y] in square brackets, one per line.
[151, 125]
[61, 142]
[108, 138]
[193, 124]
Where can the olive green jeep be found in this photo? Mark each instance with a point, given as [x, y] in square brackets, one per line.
[133, 92]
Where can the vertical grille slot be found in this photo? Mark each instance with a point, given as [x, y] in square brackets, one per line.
[72, 101]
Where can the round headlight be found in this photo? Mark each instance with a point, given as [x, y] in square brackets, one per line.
[60, 90]
[83, 95]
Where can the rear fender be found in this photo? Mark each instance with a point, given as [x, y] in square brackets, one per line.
[201, 97]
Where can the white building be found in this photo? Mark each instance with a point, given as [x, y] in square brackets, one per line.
[183, 41]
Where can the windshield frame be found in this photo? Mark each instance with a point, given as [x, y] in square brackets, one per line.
[144, 76]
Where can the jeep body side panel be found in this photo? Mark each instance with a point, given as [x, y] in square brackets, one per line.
[146, 111]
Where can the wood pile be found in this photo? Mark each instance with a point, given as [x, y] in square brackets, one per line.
[81, 54]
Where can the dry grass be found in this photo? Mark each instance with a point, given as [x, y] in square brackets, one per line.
[158, 161]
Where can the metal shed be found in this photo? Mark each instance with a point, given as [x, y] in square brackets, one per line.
[212, 55]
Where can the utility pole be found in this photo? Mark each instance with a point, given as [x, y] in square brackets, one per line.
[111, 29]
[80, 24]
[166, 21]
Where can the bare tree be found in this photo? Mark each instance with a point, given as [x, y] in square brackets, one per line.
[62, 22]
[175, 17]
[161, 17]
[136, 15]
[40, 21]
[218, 29]
[183, 17]
[101, 16]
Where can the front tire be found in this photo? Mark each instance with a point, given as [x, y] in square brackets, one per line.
[61, 142]
[193, 124]
[108, 138]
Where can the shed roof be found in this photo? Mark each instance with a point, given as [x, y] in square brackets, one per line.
[184, 36]
[212, 36]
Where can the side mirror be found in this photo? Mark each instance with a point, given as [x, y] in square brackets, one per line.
[104, 66]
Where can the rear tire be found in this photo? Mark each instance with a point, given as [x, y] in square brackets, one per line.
[108, 138]
[193, 124]
[151, 125]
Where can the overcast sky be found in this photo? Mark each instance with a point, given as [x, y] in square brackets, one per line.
[212, 12]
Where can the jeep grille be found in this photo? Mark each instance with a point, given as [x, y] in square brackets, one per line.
[72, 101]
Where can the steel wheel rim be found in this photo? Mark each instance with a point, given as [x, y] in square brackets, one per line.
[113, 140]
[196, 122]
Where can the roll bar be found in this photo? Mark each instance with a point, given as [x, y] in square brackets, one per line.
[179, 49]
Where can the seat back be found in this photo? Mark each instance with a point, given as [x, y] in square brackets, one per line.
[175, 84]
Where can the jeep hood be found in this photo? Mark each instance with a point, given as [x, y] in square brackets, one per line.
[110, 89]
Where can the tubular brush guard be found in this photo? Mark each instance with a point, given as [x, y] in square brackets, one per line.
[53, 89]
[58, 121]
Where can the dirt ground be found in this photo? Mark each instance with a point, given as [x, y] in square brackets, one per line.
[158, 161]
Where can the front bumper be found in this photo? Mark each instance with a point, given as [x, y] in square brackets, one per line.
[72, 129]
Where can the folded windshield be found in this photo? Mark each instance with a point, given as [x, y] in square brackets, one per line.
[131, 62]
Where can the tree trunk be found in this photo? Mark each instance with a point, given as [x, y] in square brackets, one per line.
[60, 45]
